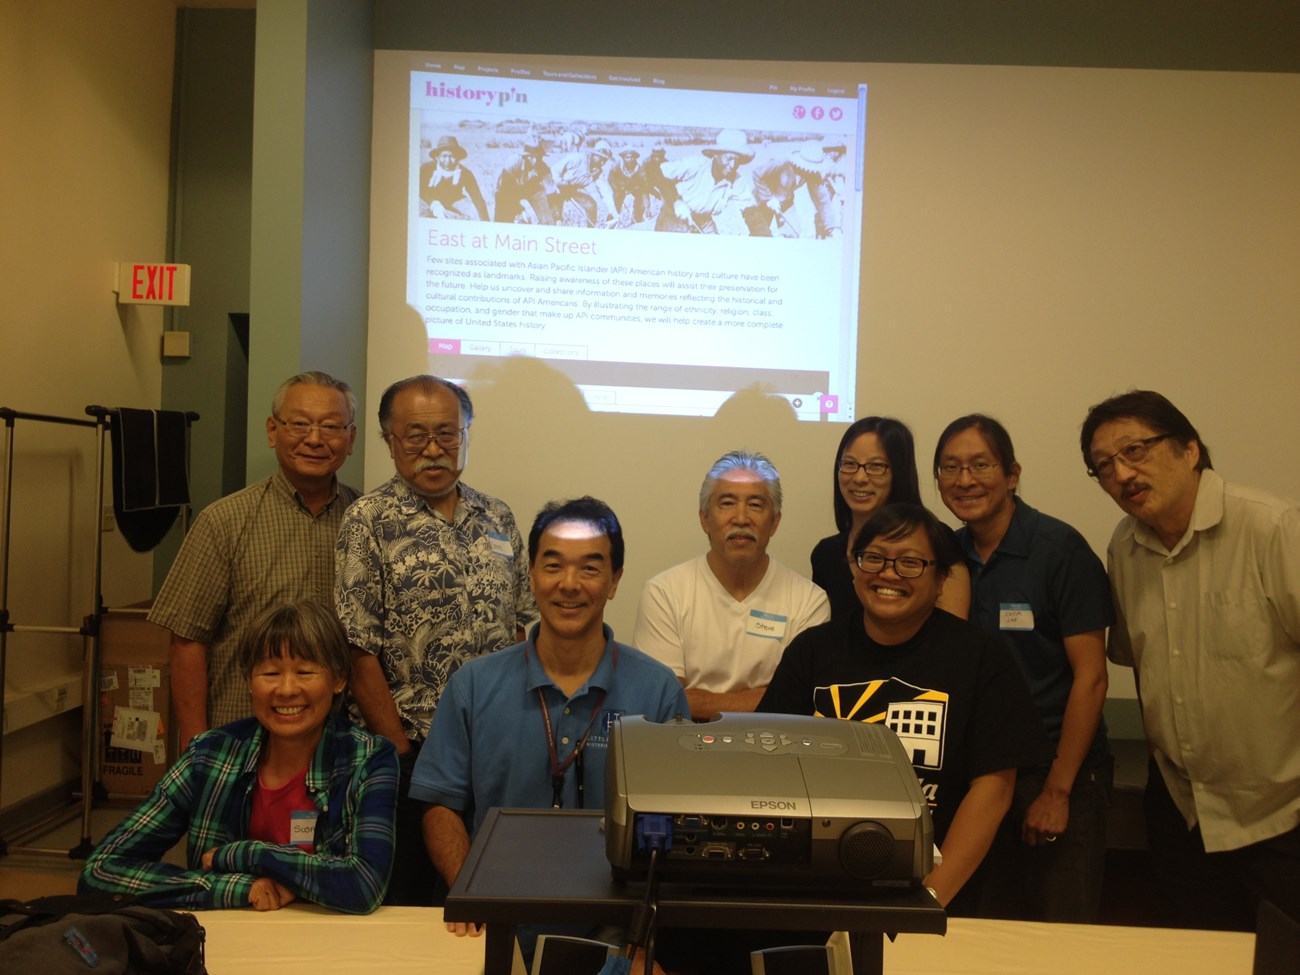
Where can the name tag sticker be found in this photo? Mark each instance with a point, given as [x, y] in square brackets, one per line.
[1015, 616]
[768, 625]
[302, 828]
[75, 940]
[501, 545]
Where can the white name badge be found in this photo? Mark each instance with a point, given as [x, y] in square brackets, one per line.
[501, 545]
[1016, 616]
[768, 625]
[302, 827]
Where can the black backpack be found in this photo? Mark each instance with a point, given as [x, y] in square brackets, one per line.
[108, 934]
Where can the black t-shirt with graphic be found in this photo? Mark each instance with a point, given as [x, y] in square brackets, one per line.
[952, 693]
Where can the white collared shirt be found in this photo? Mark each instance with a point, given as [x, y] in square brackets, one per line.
[1213, 630]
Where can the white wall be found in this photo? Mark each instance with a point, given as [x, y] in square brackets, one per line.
[1036, 240]
[85, 92]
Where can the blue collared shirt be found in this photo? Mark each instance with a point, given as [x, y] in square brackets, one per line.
[487, 746]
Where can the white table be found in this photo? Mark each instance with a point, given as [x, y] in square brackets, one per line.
[304, 939]
[976, 947]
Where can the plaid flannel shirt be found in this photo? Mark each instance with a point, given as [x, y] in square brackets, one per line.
[206, 797]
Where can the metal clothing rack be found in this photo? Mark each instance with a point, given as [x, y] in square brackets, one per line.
[89, 628]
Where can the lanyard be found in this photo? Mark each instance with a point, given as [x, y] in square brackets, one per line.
[558, 768]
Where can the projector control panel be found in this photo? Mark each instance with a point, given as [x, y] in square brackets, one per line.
[762, 741]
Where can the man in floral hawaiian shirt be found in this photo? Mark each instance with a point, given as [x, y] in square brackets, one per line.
[430, 573]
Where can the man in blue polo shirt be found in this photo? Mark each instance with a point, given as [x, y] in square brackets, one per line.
[1036, 581]
[529, 726]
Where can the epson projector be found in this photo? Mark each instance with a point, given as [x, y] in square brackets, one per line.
[773, 800]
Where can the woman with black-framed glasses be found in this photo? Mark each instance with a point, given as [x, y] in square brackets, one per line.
[949, 690]
[875, 465]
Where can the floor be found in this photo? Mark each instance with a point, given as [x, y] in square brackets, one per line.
[1128, 897]
[25, 874]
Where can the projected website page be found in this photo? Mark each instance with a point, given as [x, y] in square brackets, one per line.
[662, 238]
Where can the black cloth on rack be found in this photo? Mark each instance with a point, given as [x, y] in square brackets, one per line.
[150, 480]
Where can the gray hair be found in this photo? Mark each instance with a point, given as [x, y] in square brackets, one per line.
[428, 384]
[314, 378]
[742, 460]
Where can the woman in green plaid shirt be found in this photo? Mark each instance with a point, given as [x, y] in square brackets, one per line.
[296, 802]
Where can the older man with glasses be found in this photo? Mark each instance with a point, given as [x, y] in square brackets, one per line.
[269, 543]
[720, 620]
[430, 574]
[1206, 577]
[1037, 584]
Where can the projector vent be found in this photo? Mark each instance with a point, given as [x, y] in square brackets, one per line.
[866, 850]
[873, 740]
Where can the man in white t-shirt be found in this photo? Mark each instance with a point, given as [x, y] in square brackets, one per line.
[721, 620]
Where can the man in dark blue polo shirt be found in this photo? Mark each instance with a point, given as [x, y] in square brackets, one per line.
[1036, 581]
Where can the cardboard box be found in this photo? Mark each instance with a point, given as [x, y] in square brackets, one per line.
[134, 704]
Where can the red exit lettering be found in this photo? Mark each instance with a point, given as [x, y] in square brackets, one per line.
[153, 282]
[144, 283]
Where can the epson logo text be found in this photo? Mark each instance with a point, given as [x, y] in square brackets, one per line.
[772, 804]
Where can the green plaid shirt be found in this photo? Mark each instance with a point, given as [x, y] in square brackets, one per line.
[206, 797]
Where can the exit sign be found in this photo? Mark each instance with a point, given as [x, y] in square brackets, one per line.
[153, 284]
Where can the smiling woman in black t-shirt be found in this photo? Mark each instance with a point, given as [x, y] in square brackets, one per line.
[949, 690]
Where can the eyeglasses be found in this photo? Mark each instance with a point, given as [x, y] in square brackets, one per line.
[874, 468]
[299, 429]
[418, 441]
[906, 566]
[1134, 453]
[981, 470]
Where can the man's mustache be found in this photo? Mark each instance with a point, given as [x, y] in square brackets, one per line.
[426, 465]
